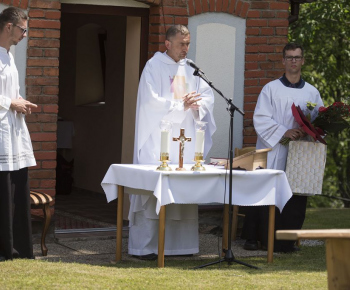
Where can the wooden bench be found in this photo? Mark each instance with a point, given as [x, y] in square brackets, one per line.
[39, 200]
[337, 252]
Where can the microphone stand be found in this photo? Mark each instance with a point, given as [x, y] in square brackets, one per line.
[229, 257]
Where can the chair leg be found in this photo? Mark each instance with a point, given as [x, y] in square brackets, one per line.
[234, 222]
[47, 220]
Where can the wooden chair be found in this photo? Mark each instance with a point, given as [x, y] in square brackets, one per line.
[236, 213]
[39, 200]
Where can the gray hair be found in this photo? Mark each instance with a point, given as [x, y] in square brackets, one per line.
[175, 29]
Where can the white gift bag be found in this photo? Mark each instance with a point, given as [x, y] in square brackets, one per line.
[306, 162]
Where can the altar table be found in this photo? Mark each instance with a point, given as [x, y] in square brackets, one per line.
[259, 187]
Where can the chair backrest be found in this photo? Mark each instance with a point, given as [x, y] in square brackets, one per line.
[243, 150]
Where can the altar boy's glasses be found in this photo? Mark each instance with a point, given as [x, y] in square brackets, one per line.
[296, 58]
[24, 30]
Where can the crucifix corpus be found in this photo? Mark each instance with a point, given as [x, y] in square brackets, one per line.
[182, 139]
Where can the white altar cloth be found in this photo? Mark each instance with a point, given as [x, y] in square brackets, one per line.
[259, 187]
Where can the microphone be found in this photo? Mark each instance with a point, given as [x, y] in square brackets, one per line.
[193, 65]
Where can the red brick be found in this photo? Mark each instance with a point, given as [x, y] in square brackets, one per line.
[261, 5]
[36, 110]
[44, 43]
[232, 6]
[36, 13]
[34, 71]
[174, 11]
[34, 183]
[278, 23]
[50, 90]
[266, 48]
[45, 118]
[282, 15]
[249, 139]
[191, 11]
[263, 82]
[256, 22]
[15, 3]
[278, 40]
[51, 71]
[252, 90]
[251, 48]
[49, 127]
[254, 74]
[34, 127]
[205, 6]
[251, 65]
[212, 5]
[24, 4]
[267, 31]
[181, 20]
[44, 155]
[253, 14]
[42, 174]
[218, 5]
[156, 38]
[244, 10]
[45, 4]
[49, 164]
[281, 31]
[35, 52]
[268, 14]
[35, 33]
[273, 74]
[42, 81]
[45, 183]
[161, 19]
[255, 40]
[238, 7]
[53, 15]
[50, 109]
[49, 146]
[249, 131]
[274, 57]
[251, 98]
[248, 83]
[157, 29]
[54, 24]
[266, 65]
[279, 6]
[42, 62]
[52, 52]
[252, 31]
[255, 57]
[52, 33]
[33, 90]
[198, 6]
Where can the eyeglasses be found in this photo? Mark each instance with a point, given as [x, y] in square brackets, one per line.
[296, 58]
[24, 30]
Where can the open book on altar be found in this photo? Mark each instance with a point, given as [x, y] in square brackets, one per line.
[256, 159]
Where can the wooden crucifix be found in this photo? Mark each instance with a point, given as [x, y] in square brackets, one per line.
[182, 139]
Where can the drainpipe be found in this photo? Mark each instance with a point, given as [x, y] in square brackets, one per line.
[294, 9]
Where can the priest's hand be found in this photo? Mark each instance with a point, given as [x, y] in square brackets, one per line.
[294, 134]
[22, 106]
[190, 101]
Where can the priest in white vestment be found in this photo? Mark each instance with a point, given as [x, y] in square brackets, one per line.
[168, 90]
[273, 120]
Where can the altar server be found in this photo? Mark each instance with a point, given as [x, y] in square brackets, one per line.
[273, 120]
[16, 153]
[168, 90]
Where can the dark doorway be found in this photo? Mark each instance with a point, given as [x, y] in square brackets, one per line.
[93, 89]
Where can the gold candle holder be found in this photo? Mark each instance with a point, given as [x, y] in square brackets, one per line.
[198, 158]
[164, 158]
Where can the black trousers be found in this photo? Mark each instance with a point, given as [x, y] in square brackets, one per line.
[15, 217]
[292, 218]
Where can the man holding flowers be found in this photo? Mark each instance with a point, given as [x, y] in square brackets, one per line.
[273, 122]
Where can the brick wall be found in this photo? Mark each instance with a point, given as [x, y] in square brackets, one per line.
[266, 35]
[42, 89]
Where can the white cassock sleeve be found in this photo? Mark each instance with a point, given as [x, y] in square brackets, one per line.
[265, 125]
[5, 104]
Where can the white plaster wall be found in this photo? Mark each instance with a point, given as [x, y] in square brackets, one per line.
[218, 48]
[125, 3]
[20, 55]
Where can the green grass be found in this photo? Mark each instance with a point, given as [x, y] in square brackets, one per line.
[303, 270]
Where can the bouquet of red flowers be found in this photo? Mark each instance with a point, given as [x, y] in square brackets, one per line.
[330, 120]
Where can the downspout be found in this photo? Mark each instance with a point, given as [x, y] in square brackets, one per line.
[294, 9]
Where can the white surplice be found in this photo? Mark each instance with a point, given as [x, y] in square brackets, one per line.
[16, 150]
[273, 117]
[162, 85]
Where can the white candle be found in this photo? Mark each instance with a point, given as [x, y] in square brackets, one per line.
[199, 147]
[164, 143]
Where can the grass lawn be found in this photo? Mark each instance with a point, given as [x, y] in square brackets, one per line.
[303, 270]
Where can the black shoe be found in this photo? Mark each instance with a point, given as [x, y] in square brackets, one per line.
[149, 257]
[250, 245]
